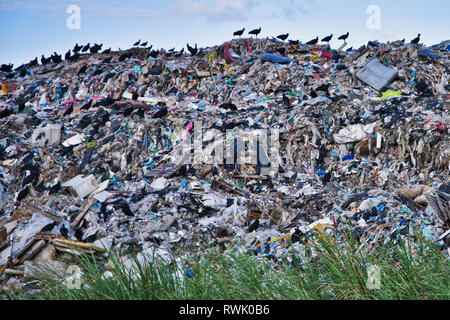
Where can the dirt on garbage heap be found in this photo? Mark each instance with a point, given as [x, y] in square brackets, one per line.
[356, 140]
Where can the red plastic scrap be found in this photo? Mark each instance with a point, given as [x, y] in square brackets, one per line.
[226, 52]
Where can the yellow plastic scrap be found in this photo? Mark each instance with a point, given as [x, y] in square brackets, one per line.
[211, 56]
[287, 236]
[321, 232]
[390, 94]
[321, 226]
[8, 87]
[13, 263]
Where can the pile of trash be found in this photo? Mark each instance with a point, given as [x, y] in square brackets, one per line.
[114, 151]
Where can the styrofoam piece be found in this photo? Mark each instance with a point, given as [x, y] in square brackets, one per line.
[377, 75]
[81, 186]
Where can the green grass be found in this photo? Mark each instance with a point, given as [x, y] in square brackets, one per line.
[327, 271]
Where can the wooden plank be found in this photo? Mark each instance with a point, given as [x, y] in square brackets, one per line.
[83, 212]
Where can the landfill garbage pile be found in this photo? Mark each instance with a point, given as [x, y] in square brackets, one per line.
[86, 150]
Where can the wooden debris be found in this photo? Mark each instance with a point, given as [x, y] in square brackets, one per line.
[83, 212]
[70, 243]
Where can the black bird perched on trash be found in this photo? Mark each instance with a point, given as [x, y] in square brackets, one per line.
[193, 51]
[154, 53]
[105, 102]
[313, 94]
[125, 56]
[255, 32]
[107, 60]
[239, 32]
[96, 48]
[67, 56]
[160, 113]
[33, 63]
[144, 44]
[416, 39]
[86, 47]
[77, 48]
[281, 51]
[179, 54]
[327, 39]
[313, 41]
[323, 88]
[74, 57]
[56, 58]
[344, 37]
[283, 37]
[137, 43]
[107, 51]
[69, 110]
[44, 60]
[87, 105]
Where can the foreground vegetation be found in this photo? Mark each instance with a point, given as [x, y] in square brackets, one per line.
[327, 271]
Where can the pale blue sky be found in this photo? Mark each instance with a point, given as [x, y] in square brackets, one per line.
[29, 28]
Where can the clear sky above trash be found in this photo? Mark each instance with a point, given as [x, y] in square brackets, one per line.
[29, 28]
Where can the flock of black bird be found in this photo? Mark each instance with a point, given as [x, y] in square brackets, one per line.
[283, 37]
[74, 54]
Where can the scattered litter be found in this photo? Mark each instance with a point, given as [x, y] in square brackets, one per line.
[127, 154]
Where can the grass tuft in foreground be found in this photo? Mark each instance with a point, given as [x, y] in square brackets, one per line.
[327, 271]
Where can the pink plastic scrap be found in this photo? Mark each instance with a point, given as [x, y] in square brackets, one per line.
[188, 128]
[325, 54]
[440, 126]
